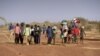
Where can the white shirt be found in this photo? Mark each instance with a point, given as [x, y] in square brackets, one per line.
[65, 34]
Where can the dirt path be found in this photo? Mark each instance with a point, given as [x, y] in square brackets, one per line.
[88, 49]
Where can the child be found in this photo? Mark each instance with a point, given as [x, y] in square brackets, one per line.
[82, 33]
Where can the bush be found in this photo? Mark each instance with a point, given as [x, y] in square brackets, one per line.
[98, 27]
[88, 27]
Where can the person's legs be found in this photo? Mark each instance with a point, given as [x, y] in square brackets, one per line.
[16, 38]
[30, 39]
[49, 40]
[81, 39]
[65, 39]
[43, 31]
[21, 39]
[26, 40]
[54, 40]
[37, 37]
[74, 39]
[62, 40]
[69, 38]
[11, 36]
[34, 39]
[77, 39]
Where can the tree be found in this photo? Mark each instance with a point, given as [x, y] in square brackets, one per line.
[83, 21]
[47, 23]
[3, 19]
[98, 26]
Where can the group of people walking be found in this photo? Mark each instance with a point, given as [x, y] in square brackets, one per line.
[72, 35]
[73, 32]
[25, 33]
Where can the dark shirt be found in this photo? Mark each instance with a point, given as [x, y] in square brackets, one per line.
[49, 32]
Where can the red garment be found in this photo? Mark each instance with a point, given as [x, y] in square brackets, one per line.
[75, 31]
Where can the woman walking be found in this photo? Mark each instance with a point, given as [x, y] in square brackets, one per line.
[17, 31]
[27, 34]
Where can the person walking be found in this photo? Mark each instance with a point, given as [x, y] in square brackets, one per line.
[54, 28]
[44, 29]
[27, 34]
[32, 34]
[39, 30]
[17, 31]
[76, 33]
[69, 35]
[65, 36]
[36, 34]
[11, 31]
[82, 33]
[21, 34]
[49, 33]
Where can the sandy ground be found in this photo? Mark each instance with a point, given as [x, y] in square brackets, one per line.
[89, 48]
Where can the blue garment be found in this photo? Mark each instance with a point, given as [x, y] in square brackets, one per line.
[11, 27]
[49, 32]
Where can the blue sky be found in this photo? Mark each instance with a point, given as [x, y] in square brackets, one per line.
[48, 10]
